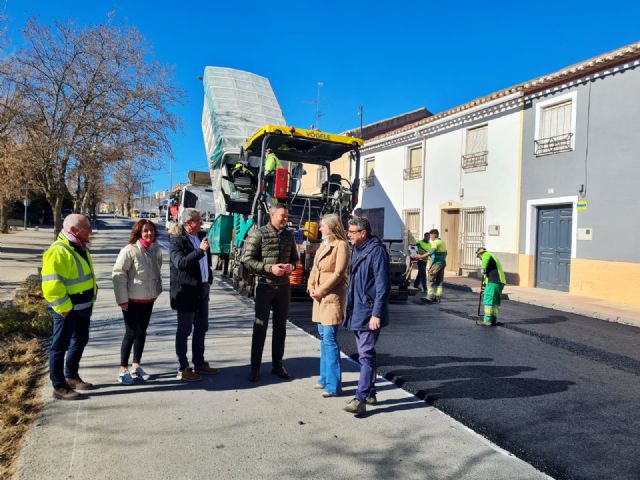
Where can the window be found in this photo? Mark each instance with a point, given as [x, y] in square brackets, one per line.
[476, 153]
[555, 125]
[369, 170]
[414, 169]
[472, 235]
[411, 226]
[376, 220]
[321, 175]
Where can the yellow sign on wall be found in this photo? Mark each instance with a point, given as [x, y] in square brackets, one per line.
[581, 205]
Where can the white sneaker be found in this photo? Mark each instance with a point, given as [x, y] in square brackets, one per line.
[125, 378]
[140, 373]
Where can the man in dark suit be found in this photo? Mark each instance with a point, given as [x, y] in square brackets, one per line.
[191, 278]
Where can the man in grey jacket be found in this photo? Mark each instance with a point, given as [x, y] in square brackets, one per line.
[271, 254]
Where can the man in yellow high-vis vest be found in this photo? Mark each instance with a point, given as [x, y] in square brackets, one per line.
[438, 254]
[421, 261]
[69, 286]
[493, 280]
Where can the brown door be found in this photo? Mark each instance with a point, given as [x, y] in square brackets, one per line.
[449, 232]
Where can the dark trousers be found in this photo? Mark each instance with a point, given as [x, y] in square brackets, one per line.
[136, 322]
[199, 322]
[421, 278]
[366, 344]
[70, 336]
[276, 298]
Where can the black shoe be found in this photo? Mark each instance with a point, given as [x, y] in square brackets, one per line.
[371, 400]
[253, 376]
[282, 373]
[428, 300]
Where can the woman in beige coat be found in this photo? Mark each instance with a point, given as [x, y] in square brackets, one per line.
[328, 288]
[137, 284]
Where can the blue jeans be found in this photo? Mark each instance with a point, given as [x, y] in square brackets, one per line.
[199, 322]
[366, 343]
[70, 336]
[330, 370]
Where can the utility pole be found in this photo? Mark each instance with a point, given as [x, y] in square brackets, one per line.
[170, 174]
[318, 112]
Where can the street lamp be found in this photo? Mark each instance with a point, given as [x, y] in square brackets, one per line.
[26, 203]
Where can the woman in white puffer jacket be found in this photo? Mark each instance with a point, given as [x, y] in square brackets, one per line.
[137, 283]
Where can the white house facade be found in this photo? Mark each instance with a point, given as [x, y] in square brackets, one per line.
[458, 172]
[472, 182]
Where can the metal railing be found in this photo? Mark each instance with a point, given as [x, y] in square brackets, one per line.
[551, 145]
[414, 172]
[475, 160]
[368, 181]
[471, 236]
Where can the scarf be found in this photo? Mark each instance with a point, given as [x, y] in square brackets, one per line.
[146, 244]
[73, 239]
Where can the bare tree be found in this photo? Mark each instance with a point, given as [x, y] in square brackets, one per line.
[92, 97]
[127, 180]
[13, 169]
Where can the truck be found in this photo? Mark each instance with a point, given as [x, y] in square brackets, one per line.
[242, 123]
[197, 194]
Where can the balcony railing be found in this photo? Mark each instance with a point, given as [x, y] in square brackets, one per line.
[475, 160]
[414, 172]
[551, 145]
[368, 181]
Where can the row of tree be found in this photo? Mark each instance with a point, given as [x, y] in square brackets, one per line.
[85, 111]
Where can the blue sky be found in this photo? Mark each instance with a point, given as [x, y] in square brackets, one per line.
[390, 57]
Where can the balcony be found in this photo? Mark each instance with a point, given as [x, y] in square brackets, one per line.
[368, 181]
[475, 161]
[411, 173]
[551, 145]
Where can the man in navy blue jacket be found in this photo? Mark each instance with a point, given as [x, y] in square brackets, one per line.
[367, 305]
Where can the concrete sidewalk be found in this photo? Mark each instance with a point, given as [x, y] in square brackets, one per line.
[587, 306]
[226, 427]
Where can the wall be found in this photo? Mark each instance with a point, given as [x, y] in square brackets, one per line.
[496, 188]
[605, 161]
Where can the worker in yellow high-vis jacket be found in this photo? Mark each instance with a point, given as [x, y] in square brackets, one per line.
[69, 286]
[421, 261]
[438, 254]
[493, 280]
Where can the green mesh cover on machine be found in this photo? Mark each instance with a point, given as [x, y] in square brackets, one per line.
[236, 105]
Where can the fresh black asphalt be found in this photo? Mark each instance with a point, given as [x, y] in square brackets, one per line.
[556, 389]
